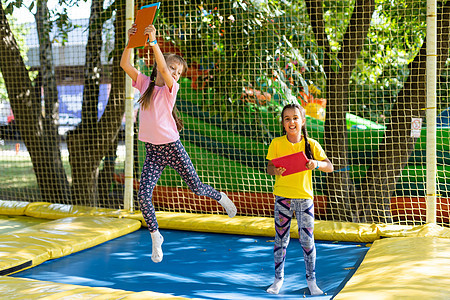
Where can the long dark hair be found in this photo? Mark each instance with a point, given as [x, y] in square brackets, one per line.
[146, 97]
[308, 151]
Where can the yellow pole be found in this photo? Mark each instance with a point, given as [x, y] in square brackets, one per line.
[431, 112]
[129, 132]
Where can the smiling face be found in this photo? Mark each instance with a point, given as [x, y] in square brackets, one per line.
[292, 123]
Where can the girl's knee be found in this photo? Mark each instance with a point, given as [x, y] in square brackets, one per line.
[307, 243]
[196, 189]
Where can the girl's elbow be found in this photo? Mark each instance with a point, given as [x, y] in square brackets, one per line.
[330, 168]
[270, 170]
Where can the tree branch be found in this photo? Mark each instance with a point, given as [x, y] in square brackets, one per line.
[315, 12]
[355, 35]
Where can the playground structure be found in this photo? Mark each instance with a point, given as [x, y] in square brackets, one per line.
[210, 135]
[407, 204]
[35, 233]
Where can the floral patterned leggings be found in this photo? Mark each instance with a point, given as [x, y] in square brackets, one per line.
[157, 158]
[304, 211]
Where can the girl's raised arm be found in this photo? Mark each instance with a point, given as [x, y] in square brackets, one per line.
[159, 57]
[125, 63]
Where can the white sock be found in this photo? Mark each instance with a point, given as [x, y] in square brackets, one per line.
[157, 240]
[276, 286]
[228, 205]
[313, 288]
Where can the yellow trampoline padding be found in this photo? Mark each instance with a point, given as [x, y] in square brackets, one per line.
[323, 230]
[260, 226]
[402, 268]
[58, 211]
[18, 288]
[429, 229]
[264, 226]
[10, 223]
[31, 246]
[13, 208]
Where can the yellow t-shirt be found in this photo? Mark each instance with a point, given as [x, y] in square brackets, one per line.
[297, 185]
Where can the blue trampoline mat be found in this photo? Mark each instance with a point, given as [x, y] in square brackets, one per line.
[202, 265]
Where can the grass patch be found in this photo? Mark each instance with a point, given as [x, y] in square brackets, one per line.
[17, 178]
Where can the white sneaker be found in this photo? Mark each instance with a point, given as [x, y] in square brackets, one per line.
[157, 240]
[228, 205]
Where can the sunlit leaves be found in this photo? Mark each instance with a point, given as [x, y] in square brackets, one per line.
[397, 32]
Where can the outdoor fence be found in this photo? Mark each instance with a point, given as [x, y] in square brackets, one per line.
[372, 75]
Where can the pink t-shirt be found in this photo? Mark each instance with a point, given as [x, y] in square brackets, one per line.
[156, 124]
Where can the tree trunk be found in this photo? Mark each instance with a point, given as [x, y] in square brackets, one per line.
[394, 152]
[116, 105]
[84, 163]
[38, 132]
[340, 189]
[106, 176]
[51, 108]
[91, 141]
[117, 96]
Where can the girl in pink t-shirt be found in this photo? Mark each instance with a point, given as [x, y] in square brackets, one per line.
[159, 130]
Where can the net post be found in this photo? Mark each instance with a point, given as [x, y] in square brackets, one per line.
[431, 112]
[129, 131]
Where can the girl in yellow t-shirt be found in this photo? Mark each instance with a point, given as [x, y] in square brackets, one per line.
[294, 193]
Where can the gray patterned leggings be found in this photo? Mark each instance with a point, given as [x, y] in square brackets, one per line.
[156, 159]
[304, 211]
